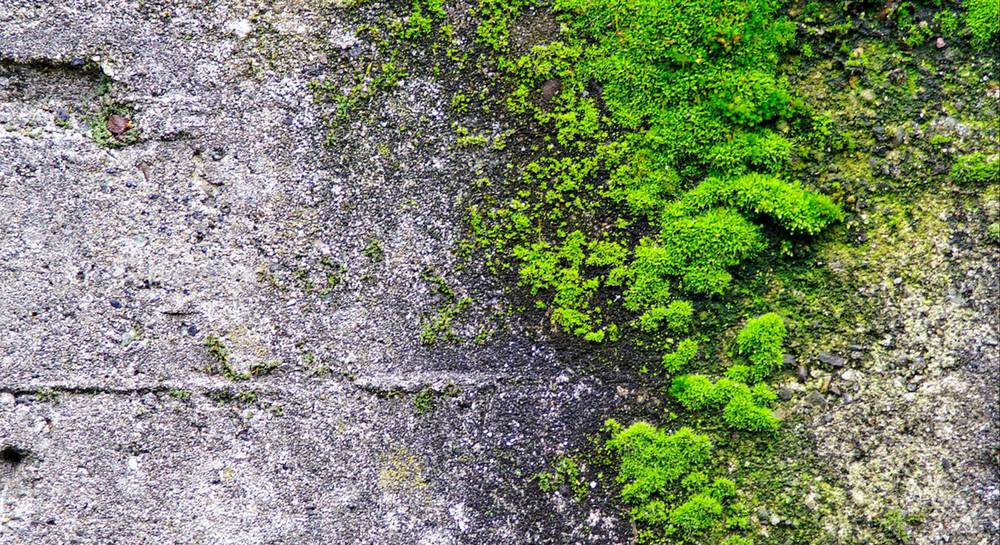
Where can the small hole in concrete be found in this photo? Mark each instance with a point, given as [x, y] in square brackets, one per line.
[13, 456]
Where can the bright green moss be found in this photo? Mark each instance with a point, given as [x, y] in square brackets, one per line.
[947, 21]
[634, 63]
[679, 315]
[669, 113]
[743, 408]
[788, 204]
[983, 19]
[648, 276]
[697, 514]
[700, 249]
[676, 317]
[760, 343]
[743, 414]
[665, 484]
[651, 460]
[694, 392]
[976, 168]
[423, 14]
[764, 150]
[653, 319]
[685, 352]
[658, 163]
[496, 17]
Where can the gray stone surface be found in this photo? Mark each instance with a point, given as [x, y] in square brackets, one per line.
[115, 264]
[226, 217]
[917, 429]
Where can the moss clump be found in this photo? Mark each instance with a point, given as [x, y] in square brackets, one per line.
[666, 486]
[604, 206]
[441, 325]
[496, 18]
[760, 343]
[46, 395]
[423, 402]
[680, 357]
[420, 22]
[373, 250]
[983, 20]
[743, 408]
[218, 353]
[976, 168]
[264, 367]
[676, 317]
[217, 350]
[179, 393]
[791, 206]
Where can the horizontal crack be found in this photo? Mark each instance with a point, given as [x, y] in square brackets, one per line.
[382, 386]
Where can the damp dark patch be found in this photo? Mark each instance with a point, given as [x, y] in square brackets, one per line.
[13, 456]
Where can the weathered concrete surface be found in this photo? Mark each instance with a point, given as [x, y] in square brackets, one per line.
[914, 428]
[226, 218]
[116, 263]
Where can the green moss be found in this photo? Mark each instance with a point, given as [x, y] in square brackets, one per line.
[247, 397]
[439, 326]
[791, 206]
[373, 250]
[743, 413]
[423, 402]
[427, 398]
[742, 408]
[895, 526]
[698, 513]
[100, 126]
[670, 115]
[947, 21]
[700, 249]
[982, 17]
[496, 17]
[993, 232]
[179, 393]
[460, 103]
[679, 316]
[567, 473]
[219, 356]
[665, 485]
[420, 22]
[264, 367]
[217, 351]
[662, 188]
[677, 360]
[976, 168]
[760, 343]
[46, 395]
[676, 317]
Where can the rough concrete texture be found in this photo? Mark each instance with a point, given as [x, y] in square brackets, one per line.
[229, 218]
[913, 429]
